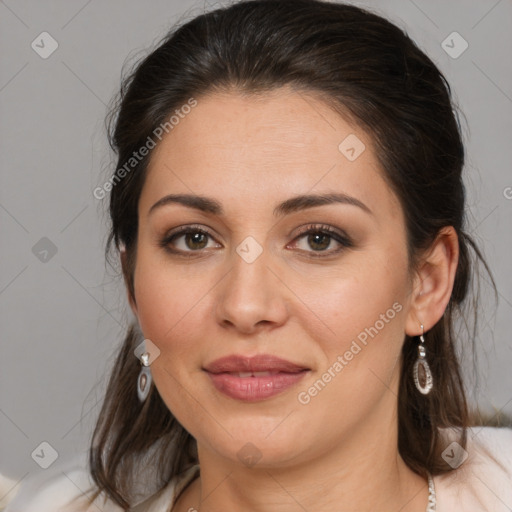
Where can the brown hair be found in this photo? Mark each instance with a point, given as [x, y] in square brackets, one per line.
[364, 67]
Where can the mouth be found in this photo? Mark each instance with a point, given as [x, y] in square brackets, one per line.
[244, 375]
[260, 363]
[254, 378]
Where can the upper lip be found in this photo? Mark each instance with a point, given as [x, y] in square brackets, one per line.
[257, 363]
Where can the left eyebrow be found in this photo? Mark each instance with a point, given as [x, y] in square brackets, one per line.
[294, 204]
[311, 200]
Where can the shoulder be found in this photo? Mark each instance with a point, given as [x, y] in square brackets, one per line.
[167, 497]
[482, 476]
[65, 490]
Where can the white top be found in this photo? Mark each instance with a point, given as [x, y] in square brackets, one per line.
[478, 484]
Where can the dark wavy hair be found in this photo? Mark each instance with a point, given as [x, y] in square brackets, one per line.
[369, 71]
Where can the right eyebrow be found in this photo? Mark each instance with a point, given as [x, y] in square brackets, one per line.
[202, 203]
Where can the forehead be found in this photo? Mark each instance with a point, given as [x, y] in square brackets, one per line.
[249, 150]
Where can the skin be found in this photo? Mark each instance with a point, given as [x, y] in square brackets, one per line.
[338, 452]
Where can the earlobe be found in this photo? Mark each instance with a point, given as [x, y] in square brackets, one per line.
[434, 281]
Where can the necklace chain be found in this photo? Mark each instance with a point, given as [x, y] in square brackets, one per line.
[431, 507]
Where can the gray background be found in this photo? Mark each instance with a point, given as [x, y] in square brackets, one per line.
[63, 318]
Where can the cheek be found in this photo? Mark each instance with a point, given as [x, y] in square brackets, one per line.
[360, 349]
[174, 308]
[166, 295]
[348, 302]
[365, 313]
[169, 292]
[169, 305]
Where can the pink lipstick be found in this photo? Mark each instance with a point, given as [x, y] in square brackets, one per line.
[254, 378]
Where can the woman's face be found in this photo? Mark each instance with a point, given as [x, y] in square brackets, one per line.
[248, 279]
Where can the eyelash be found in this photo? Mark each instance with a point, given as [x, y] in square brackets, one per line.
[323, 229]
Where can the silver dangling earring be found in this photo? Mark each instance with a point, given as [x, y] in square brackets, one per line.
[421, 370]
[144, 381]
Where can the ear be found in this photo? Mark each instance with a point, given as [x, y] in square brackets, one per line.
[124, 266]
[433, 282]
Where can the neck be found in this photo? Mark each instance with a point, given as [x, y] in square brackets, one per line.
[365, 473]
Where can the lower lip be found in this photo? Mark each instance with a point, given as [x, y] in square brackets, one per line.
[251, 389]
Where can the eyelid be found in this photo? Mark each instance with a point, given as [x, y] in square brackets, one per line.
[320, 227]
[339, 236]
[336, 234]
[186, 228]
[183, 230]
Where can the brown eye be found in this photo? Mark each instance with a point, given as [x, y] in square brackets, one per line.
[195, 241]
[319, 241]
[188, 239]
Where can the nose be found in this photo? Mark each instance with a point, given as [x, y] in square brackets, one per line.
[251, 296]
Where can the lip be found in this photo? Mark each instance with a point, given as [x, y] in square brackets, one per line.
[279, 375]
[257, 363]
